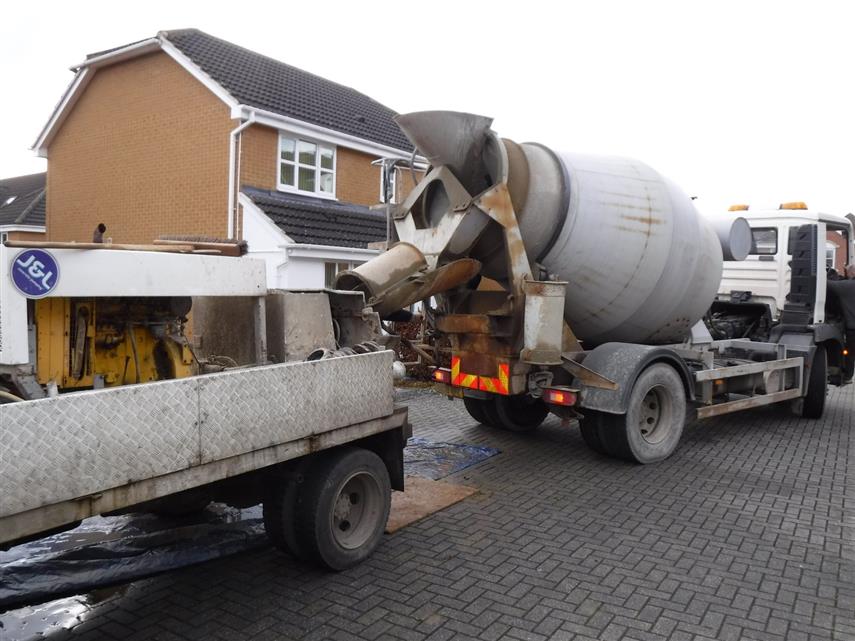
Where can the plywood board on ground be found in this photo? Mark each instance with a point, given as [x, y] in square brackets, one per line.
[422, 498]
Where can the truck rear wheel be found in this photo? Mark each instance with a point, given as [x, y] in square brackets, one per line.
[589, 426]
[342, 508]
[476, 409]
[520, 413]
[653, 424]
[280, 502]
[813, 404]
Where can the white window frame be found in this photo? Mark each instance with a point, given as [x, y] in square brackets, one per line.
[296, 164]
[830, 260]
[347, 264]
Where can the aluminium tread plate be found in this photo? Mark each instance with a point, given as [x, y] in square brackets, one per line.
[75, 445]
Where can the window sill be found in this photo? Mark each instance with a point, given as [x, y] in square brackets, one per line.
[314, 194]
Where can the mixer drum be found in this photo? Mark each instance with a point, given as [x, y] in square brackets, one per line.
[642, 264]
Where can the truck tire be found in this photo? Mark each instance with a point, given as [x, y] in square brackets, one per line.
[520, 413]
[342, 508]
[813, 404]
[279, 507]
[476, 409]
[589, 426]
[653, 424]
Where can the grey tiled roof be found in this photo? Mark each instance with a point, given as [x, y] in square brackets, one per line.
[259, 81]
[317, 221]
[28, 207]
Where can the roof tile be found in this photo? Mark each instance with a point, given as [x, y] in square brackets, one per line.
[28, 206]
[318, 221]
[258, 81]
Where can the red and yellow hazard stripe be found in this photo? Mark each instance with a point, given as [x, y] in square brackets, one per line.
[497, 385]
[459, 379]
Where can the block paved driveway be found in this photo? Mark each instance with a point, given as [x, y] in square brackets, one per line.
[747, 532]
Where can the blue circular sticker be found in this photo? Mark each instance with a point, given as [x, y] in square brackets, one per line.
[35, 273]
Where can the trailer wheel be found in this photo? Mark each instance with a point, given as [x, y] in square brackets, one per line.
[343, 507]
[520, 413]
[813, 404]
[476, 408]
[589, 426]
[651, 428]
[280, 502]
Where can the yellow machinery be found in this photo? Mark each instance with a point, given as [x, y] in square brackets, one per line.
[95, 342]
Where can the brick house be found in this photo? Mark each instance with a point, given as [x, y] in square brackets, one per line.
[184, 133]
[22, 208]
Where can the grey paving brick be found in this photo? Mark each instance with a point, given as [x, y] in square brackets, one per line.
[745, 533]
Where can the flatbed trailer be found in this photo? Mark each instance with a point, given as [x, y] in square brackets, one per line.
[319, 442]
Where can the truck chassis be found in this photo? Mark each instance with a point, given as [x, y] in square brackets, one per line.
[312, 439]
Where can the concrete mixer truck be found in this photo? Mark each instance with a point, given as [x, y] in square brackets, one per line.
[578, 285]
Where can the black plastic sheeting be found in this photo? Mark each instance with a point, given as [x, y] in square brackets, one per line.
[105, 551]
[109, 550]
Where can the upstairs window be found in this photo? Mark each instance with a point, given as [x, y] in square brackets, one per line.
[306, 166]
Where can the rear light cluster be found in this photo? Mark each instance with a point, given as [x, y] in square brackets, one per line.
[560, 396]
[442, 375]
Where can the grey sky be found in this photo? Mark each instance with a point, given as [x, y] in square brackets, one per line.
[735, 101]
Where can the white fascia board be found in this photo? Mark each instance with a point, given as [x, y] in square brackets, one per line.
[117, 55]
[251, 209]
[322, 134]
[329, 252]
[35, 229]
[194, 70]
[69, 98]
[88, 67]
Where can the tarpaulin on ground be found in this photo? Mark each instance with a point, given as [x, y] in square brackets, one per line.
[109, 550]
[437, 460]
[105, 551]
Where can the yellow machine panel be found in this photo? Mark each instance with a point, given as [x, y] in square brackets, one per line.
[84, 343]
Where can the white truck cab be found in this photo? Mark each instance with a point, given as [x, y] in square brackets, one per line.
[766, 271]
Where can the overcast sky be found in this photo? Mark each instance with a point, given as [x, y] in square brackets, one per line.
[736, 101]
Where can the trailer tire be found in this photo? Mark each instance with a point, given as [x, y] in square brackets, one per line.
[589, 426]
[813, 404]
[476, 408]
[343, 507]
[279, 507]
[519, 413]
[653, 424]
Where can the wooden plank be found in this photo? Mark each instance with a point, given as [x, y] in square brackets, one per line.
[421, 498]
[226, 249]
[38, 244]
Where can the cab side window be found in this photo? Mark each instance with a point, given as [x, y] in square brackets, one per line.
[764, 241]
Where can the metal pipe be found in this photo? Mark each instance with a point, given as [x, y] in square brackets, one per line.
[10, 397]
[232, 208]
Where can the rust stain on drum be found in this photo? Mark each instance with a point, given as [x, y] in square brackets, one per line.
[646, 231]
[647, 220]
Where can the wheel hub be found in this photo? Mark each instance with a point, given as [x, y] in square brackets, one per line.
[654, 415]
[355, 509]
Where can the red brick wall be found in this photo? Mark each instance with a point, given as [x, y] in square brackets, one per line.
[145, 151]
[25, 235]
[840, 257]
